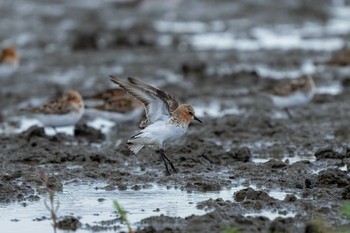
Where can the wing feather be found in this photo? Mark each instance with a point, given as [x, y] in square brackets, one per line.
[156, 107]
[171, 101]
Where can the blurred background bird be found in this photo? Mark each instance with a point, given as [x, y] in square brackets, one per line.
[64, 111]
[114, 104]
[297, 92]
[9, 61]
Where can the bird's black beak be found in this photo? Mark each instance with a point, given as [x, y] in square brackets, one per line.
[197, 119]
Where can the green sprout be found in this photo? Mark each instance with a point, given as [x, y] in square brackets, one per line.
[345, 209]
[230, 230]
[123, 216]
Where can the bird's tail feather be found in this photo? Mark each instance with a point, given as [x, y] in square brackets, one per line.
[135, 147]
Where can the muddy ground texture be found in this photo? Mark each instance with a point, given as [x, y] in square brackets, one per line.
[212, 156]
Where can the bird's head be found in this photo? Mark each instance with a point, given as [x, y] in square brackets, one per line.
[188, 113]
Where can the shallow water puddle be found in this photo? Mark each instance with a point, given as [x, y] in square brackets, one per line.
[19, 125]
[95, 204]
[257, 146]
[308, 36]
[272, 214]
[265, 39]
[82, 200]
[334, 88]
[291, 160]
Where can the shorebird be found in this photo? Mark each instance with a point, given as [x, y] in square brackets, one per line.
[296, 92]
[64, 111]
[167, 120]
[9, 61]
[114, 104]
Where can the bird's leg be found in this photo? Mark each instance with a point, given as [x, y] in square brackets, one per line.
[289, 113]
[54, 129]
[165, 159]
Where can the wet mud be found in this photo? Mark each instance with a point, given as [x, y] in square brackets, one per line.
[306, 157]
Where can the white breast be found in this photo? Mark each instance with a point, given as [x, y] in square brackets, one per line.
[295, 99]
[7, 69]
[55, 120]
[161, 132]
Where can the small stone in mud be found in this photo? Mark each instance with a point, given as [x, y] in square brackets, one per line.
[93, 135]
[136, 187]
[251, 194]
[290, 198]
[110, 188]
[40, 219]
[193, 67]
[122, 187]
[346, 82]
[281, 225]
[328, 153]
[332, 178]
[69, 223]
[299, 185]
[309, 184]
[85, 41]
[242, 154]
[276, 163]
[34, 131]
[33, 198]
[346, 193]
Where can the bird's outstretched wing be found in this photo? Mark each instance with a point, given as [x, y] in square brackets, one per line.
[172, 102]
[156, 107]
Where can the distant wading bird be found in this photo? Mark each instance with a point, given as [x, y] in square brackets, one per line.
[166, 119]
[296, 92]
[64, 111]
[114, 104]
[9, 61]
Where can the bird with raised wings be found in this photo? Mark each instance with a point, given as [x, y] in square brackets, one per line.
[166, 120]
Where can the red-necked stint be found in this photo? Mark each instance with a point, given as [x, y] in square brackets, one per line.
[167, 120]
[9, 61]
[296, 92]
[114, 104]
[64, 111]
